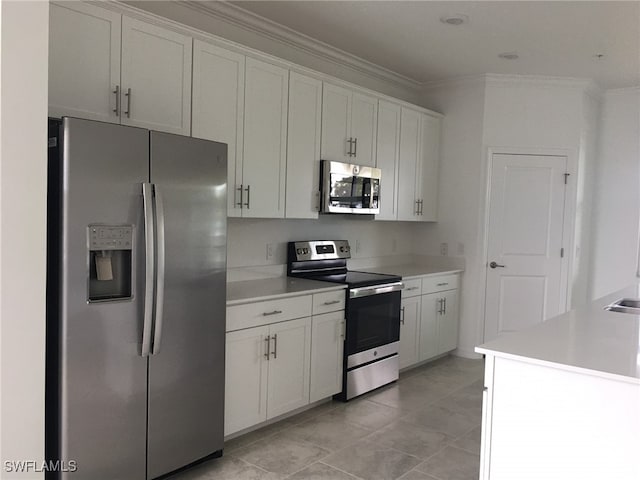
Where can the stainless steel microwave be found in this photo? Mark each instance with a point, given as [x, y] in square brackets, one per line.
[348, 188]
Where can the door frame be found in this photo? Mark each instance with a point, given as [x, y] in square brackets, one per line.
[568, 227]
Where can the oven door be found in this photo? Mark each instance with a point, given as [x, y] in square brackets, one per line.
[373, 321]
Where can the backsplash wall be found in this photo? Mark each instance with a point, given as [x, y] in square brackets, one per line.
[248, 238]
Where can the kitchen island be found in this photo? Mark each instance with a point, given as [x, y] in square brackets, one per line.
[562, 399]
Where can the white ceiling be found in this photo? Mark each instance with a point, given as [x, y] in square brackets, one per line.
[556, 38]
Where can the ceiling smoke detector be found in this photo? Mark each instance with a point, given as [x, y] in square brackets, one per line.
[454, 20]
[509, 55]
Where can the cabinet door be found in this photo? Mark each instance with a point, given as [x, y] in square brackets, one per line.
[303, 147]
[336, 123]
[408, 164]
[156, 66]
[84, 61]
[409, 321]
[429, 325]
[265, 139]
[289, 366]
[430, 158]
[246, 379]
[364, 122]
[387, 155]
[448, 322]
[327, 343]
[218, 108]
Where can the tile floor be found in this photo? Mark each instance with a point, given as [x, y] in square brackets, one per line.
[426, 426]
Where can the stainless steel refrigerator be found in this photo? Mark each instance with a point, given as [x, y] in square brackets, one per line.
[136, 300]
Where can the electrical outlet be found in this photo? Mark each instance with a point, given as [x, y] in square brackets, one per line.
[444, 249]
[358, 245]
[270, 248]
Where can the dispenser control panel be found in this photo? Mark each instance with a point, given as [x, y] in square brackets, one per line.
[110, 237]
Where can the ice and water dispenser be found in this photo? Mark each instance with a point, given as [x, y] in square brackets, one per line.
[110, 257]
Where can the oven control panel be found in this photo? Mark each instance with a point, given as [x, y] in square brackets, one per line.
[320, 250]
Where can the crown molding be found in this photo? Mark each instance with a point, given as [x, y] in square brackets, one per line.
[623, 90]
[459, 81]
[257, 24]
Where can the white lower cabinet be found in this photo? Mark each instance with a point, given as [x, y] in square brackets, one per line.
[409, 323]
[289, 356]
[429, 326]
[284, 363]
[428, 318]
[246, 379]
[327, 343]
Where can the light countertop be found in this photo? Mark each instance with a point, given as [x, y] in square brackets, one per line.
[411, 271]
[273, 288]
[588, 339]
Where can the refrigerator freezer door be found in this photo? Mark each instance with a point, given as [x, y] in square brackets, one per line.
[102, 377]
[186, 375]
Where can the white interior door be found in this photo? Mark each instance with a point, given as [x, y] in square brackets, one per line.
[524, 263]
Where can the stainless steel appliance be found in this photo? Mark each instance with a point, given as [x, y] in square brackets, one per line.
[136, 300]
[372, 313]
[349, 188]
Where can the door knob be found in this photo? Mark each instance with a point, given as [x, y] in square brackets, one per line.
[495, 265]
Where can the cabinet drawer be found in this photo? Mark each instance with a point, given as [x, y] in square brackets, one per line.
[439, 284]
[328, 302]
[270, 311]
[412, 288]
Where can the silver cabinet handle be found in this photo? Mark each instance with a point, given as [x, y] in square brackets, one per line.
[420, 207]
[332, 302]
[444, 308]
[402, 315]
[355, 147]
[116, 92]
[412, 288]
[350, 142]
[241, 190]
[275, 312]
[496, 265]
[275, 345]
[442, 284]
[267, 341]
[441, 306]
[248, 190]
[160, 256]
[342, 329]
[149, 265]
[417, 210]
[128, 110]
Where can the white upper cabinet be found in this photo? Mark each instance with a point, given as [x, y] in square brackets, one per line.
[84, 61]
[349, 123]
[218, 107]
[156, 78]
[336, 123]
[430, 160]
[387, 156]
[418, 166]
[303, 147]
[109, 67]
[265, 140]
[409, 184]
[364, 123]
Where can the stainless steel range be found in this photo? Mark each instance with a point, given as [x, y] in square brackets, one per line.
[372, 313]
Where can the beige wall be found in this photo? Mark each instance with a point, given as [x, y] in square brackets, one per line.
[23, 167]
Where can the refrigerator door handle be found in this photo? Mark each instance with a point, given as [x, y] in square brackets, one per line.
[149, 267]
[160, 253]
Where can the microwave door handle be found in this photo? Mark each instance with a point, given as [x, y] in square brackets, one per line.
[149, 266]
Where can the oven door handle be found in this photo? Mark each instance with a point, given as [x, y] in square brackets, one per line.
[375, 290]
